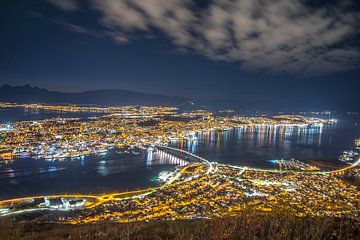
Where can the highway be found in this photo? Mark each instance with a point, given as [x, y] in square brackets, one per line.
[341, 170]
[331, 172]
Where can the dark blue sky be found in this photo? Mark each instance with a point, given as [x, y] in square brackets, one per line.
[247, 52]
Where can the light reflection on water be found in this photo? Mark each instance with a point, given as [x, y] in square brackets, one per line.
[91, 174]
[264, 136]
[254, 146]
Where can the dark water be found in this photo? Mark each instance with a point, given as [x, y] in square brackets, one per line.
[119, 171]
[91, 174]
[17, 114]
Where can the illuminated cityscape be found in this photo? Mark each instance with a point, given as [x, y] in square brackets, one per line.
[198, 188]
[180, 120]
[130, 126]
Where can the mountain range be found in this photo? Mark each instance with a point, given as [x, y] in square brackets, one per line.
[120, 97]
[114, 97]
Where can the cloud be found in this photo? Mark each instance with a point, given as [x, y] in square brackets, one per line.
[276, 36]
[66, 5]
[78, 28]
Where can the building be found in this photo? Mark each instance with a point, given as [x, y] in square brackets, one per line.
[6, 154]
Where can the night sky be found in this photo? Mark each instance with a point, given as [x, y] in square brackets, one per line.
[256, 52]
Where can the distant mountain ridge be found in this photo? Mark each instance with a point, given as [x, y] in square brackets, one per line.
[115, 97]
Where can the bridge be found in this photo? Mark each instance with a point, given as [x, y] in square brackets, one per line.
[170, 155]
[190, 157]
[165, 158]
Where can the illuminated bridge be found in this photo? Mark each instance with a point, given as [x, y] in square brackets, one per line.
[162, 157]
[185, 156]
[167, 155]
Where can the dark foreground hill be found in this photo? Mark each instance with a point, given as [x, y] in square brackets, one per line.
[28, 94]
[244, 227]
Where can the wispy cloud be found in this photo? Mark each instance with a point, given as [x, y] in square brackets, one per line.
[66, 5]
[279, 35]
[78, 28]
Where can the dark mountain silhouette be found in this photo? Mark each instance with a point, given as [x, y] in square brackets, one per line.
[119, 97]
[116, 97]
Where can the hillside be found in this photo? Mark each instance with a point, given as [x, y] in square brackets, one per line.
[247, 226]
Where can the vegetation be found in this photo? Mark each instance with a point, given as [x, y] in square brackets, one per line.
[246, 226]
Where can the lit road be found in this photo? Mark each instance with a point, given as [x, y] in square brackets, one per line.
[341, 170]
[332, 172]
